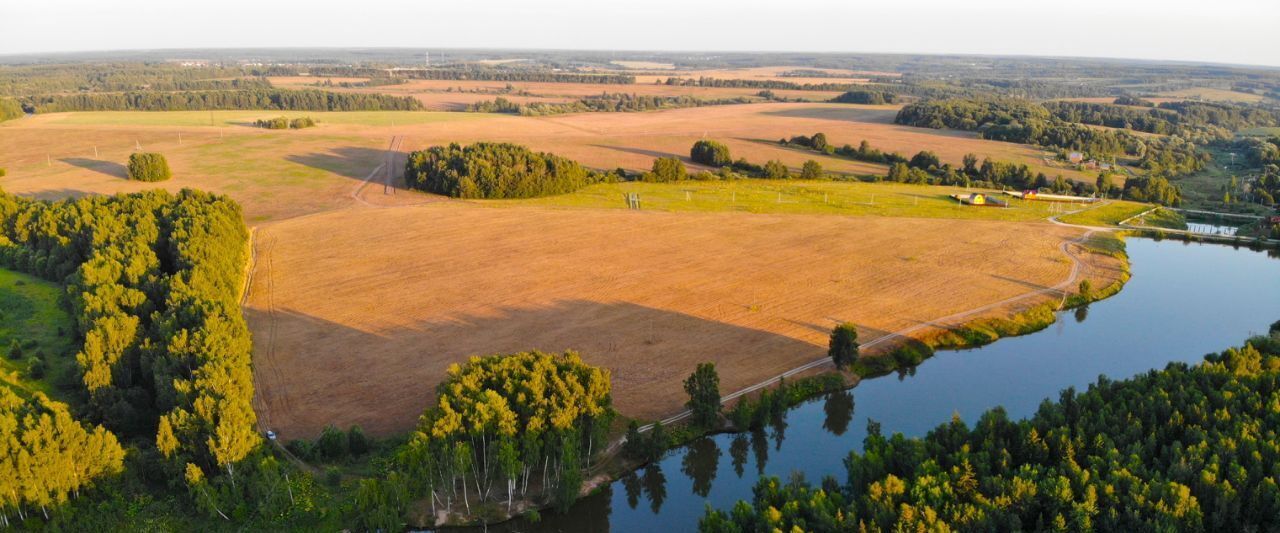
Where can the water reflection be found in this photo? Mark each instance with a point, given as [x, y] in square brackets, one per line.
[700, 464]
[1082, 313]
[738, 452]
[655, 486]
[839, 411]
[1184, 300]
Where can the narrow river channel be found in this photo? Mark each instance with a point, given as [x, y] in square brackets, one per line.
[1184, 300]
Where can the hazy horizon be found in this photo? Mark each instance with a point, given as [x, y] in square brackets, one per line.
[1234, 32]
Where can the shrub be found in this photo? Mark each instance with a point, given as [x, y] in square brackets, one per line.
[147, 166]
[3, 172]
[775, 170]
[35, 367]
[332, 443]
[357, 442]
[811, 170]
[666, 169]
[710, 153]
[15, 350]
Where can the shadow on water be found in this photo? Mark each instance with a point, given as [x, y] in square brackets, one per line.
[109, 168]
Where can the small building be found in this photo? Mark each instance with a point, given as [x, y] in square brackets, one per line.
[1075, 157]
[1275, 220]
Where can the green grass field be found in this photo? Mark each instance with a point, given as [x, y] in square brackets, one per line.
[1108, 214]
[31, 315]
[241, 118]
[792, 197]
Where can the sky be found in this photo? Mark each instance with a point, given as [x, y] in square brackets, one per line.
[1222, 31]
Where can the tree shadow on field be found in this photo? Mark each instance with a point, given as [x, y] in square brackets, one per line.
[642, 151]
[846, 114]
[1027, 284]
[355, 162]
[312, 372]
[109, 168]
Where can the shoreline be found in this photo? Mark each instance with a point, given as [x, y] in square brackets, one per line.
[909, 353]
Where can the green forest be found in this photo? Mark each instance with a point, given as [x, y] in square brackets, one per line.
[604, 103]
[153, 283]
[494, 170]
[272, 99]
[1186, 448]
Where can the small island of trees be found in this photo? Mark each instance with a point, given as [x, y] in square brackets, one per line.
[494, 170]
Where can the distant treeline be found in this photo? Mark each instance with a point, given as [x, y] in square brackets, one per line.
[1197, 121]
[494, 170]
[756, 84]
[810, 73]
[30, 80]
[605, 103]
[371, 82]
[1022, 121]
[474, 73]
[276, 99]
[927, 168]
[864, 96]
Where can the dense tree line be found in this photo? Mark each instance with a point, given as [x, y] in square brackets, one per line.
[47, 457]
[1198, 121]
[274, 99]
[704, 81]
[864, 96]
[478, 73]
[1265, 155]
[36, 79]
[154, 281]
[1187, 448]
[284, 123]
[10, 109]
[147, 166]
[494, 170]
[604, 103]
[1014, 120]
[502, 424]
[926, 168]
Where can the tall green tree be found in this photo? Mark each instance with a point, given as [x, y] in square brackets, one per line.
[703, 387]
[843, 345]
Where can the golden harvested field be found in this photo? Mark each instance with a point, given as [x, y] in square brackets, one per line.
[357, 313]
[281, 174]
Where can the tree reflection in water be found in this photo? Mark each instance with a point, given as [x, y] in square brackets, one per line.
[839, 411]
[700, 463]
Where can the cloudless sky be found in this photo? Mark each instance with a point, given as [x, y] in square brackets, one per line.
[1227, 31]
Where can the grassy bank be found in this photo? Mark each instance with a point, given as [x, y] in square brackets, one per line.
[793, 197]
[1114, 212]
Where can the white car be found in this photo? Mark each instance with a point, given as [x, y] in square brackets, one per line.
[271, 435]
